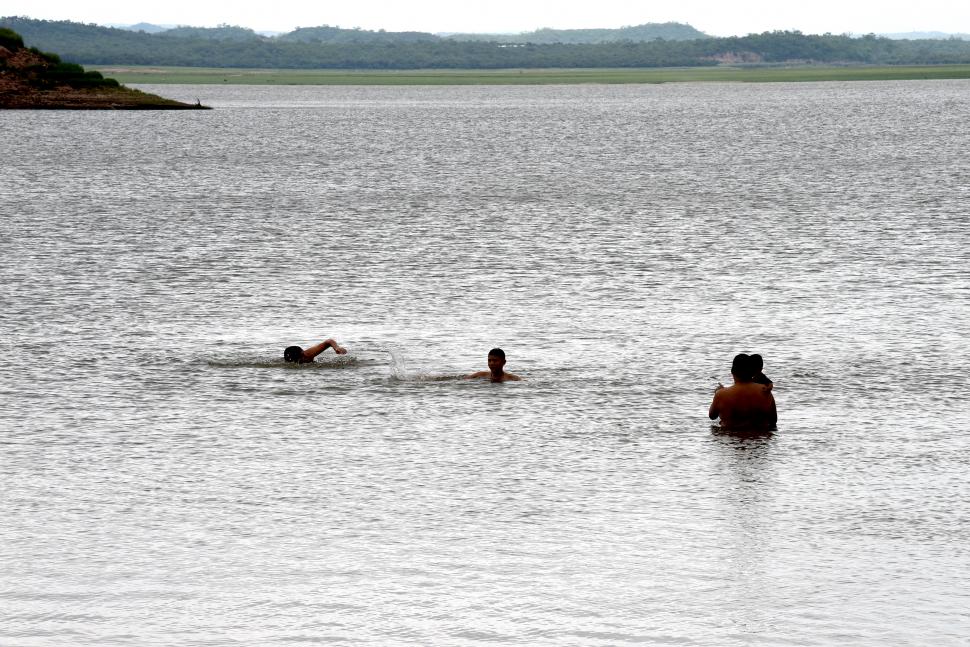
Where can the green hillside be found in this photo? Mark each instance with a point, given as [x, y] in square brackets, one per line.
[233, 47]
[222, 32]
[31, 79]
[328, 34]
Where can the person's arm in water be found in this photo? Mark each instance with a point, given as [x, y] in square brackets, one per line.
[715, 409]
[506, 377]
[313, 351]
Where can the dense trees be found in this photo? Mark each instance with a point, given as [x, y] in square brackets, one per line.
[328, 34]
[222, 32]
[335, 48]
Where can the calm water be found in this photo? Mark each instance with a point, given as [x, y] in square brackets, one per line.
[166, 480]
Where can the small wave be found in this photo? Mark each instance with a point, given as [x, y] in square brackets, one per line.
[427, 377]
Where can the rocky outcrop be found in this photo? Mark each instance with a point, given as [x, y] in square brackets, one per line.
[30, 79]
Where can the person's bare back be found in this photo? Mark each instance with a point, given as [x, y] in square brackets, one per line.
[745, 405]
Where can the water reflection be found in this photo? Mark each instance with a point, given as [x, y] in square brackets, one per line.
[747, 503]
[742, 434]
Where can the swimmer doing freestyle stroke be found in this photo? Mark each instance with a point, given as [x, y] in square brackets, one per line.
[298, 355]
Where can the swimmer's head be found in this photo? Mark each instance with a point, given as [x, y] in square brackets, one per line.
[292, 354]
[757, 363]
[741, 367]
[496, 359]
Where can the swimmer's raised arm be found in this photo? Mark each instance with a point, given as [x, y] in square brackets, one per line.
[313, 351]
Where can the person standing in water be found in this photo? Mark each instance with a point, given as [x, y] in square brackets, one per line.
[298, 355]
[745, 405]
[757, 372]
[496, 368]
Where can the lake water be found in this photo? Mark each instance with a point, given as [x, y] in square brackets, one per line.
[166, 480]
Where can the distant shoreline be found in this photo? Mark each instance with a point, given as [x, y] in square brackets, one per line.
[134, 74]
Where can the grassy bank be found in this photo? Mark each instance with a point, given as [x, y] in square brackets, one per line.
[190, 75]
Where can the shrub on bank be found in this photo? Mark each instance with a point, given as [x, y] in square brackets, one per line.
[47, 56]
[70, 74]
[10, 39]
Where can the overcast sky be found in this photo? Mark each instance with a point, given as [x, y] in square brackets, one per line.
[715, 17]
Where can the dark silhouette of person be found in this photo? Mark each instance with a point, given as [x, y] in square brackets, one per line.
[745, 405]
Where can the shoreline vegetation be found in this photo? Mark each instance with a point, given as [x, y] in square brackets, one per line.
[161, 75]
[648, 46]
[31, 79]
[333, 56]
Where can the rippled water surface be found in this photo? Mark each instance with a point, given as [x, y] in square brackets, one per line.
[166, 480]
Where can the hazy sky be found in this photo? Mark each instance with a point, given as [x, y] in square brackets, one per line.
[716, 17]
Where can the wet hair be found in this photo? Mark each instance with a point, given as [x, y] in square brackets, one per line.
[497, 352]
[756, 363]
[292, 354]
[741, 367]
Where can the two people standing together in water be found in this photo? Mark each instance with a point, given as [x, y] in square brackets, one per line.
[745, 405]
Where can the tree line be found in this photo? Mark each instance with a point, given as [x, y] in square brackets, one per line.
[92, 44]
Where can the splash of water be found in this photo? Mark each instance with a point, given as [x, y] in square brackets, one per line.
[398, 368]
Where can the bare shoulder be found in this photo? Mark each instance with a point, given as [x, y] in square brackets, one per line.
[509, 377]
[477, 374]
[725, 392]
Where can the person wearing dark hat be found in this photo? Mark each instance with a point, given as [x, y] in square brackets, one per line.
[745, 405]
[298, 355]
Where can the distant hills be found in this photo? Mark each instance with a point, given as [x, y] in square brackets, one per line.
[927, 35]
[645, 32]
[146, 27]
[328, 34]
[150, 28]
[336, 35]
[639, 33]
[222, 32]
[327, 47]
